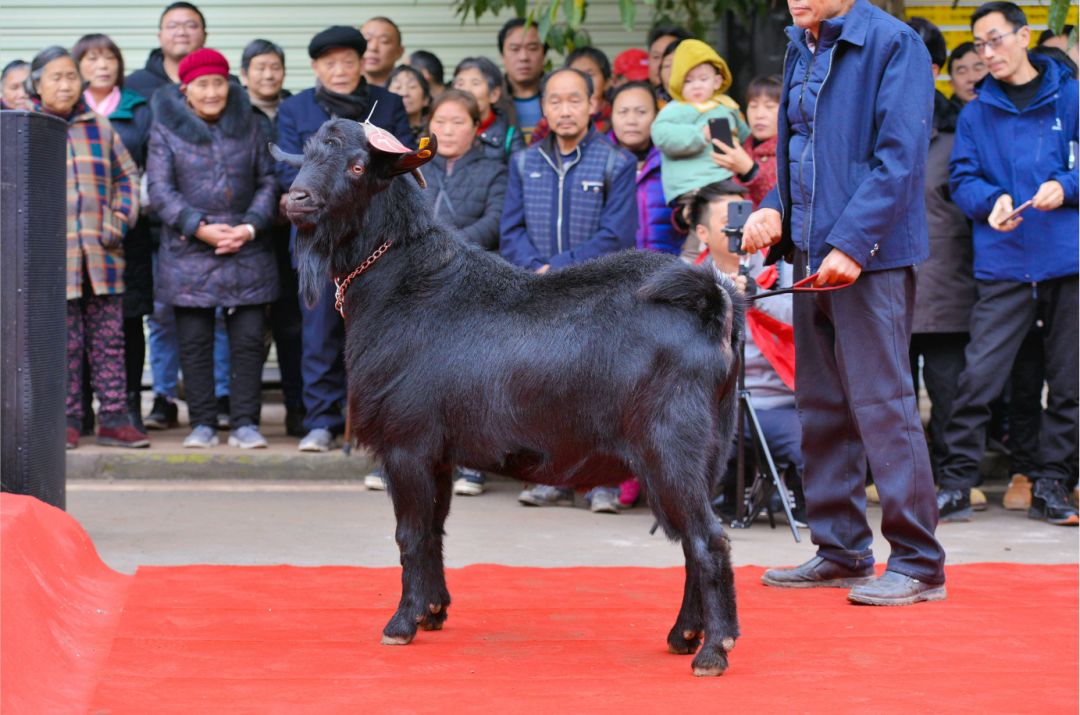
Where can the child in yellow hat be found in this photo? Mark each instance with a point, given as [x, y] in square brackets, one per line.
[699, 78]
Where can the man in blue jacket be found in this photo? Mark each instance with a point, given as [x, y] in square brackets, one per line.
[340, 91]
[1017, 141]
[855, 121]
[569, 198]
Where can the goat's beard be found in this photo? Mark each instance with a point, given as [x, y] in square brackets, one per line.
[312, 264]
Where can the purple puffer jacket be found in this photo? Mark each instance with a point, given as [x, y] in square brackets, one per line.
[218, 172]
[655, 231]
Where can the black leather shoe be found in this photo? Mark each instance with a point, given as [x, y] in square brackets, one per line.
[1049, 503]
[818, 572]
[895, 589]
[954, 505]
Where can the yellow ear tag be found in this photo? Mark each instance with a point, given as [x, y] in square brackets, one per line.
[424, 141]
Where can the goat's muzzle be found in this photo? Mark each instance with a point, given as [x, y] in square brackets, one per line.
[302, 207]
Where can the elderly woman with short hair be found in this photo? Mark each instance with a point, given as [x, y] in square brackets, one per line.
[103, 203]
[212, 183]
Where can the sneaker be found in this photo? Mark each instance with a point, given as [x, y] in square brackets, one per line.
[71, 438]
[375, 481]
[468, 482]
[544, 495]
[604, 500]
[223, 412]
[629, 491]
[125, 436]
[954, 505]
[163, 414]
[978, 499]
[247, 437]
[317, 440]
[1049, 503]
[201, 437]
[1018, 495]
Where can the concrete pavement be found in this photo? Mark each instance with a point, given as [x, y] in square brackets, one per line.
[315, 523]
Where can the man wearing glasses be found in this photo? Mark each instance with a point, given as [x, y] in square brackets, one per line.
[1017, 143]
[181, 31]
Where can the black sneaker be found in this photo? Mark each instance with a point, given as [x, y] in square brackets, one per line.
[163, 414]
[223, 411]
[954, 505]
[1049, 503]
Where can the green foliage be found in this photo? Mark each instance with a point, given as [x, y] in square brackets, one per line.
[561, 22]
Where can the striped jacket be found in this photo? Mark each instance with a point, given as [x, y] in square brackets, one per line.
[102, 204]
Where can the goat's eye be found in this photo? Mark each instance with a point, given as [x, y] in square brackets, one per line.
[357, 169]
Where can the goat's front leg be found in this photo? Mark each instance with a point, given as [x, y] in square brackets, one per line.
[438, 601]
[424, 597]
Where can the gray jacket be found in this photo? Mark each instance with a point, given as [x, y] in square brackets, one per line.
[469, 196]
[945, 283]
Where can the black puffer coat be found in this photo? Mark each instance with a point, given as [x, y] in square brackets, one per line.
[945, 282]
[501, 139]
[470, 196]
[218, 172]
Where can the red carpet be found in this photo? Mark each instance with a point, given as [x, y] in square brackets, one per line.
[294, 640]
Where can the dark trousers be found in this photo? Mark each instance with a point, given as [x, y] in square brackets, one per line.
[323, 366]
[134, 352]
[285, 324]
[1025, 404]
[245, 325]
[1004, 314]
[943, 361]
[856, 402]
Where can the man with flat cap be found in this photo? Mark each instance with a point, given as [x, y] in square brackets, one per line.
[340, 91]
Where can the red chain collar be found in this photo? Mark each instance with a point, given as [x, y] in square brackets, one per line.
[343, 285]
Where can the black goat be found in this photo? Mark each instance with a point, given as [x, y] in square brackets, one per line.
[622, 366]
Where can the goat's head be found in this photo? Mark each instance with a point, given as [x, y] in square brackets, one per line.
[345, 165]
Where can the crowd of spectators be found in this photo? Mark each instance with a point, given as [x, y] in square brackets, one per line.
[174, 218]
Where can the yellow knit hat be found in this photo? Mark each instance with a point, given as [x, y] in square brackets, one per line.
[688, 55]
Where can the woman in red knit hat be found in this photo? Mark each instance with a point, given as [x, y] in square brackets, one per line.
[211, 181]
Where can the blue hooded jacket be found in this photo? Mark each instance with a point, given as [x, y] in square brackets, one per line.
[1000, 150]
[872, 129]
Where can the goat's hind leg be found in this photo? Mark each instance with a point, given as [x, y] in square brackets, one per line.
[414, 490]
[685, 636]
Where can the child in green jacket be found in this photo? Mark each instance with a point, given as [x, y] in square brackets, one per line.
[699, 78]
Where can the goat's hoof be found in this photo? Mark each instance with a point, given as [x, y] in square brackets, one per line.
[426, 625]
[710, 663]
[711, 671]
[396, 640]
[685, 643]
[728, 644]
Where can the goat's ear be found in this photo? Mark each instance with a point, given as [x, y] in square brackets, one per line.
[293, 160]
[412, 161]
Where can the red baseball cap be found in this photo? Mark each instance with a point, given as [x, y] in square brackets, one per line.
[632, 64]
[201, 62]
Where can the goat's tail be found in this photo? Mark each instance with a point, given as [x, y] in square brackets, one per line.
[698, 289]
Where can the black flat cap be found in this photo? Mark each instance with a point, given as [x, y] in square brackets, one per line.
[337, 36]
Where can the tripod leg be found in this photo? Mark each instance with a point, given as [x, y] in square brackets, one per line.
[759, 436]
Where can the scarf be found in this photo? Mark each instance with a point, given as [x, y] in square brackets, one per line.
[106, 106]
[267, 107]
[355, 106]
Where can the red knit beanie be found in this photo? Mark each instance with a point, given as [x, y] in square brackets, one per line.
[200, 62]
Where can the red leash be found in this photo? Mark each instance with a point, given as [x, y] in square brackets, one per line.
[803, 286]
